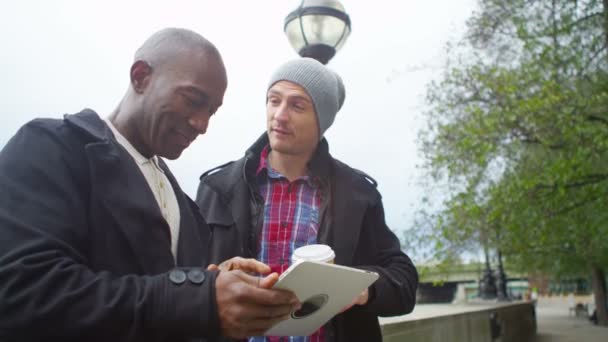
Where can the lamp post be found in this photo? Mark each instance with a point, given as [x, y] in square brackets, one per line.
[318, 28]
[487, 284]
[501, 279]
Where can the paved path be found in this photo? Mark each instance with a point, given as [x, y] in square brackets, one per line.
[555, 325]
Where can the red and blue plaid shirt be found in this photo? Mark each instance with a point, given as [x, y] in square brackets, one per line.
[291, 220]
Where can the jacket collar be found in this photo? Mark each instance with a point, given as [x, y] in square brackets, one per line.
[319, 165]
[236, 182]
[89, 123]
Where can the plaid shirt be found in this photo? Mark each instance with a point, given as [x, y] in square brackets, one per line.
[291, 220]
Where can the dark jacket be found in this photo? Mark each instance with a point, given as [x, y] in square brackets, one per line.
[352, 223]
[84, 250]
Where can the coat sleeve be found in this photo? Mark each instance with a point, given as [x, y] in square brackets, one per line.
[394, 293]
[46, 288]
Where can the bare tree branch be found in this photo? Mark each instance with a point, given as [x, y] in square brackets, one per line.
[574, 206]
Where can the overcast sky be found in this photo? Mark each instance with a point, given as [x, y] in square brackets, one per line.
[62, 56]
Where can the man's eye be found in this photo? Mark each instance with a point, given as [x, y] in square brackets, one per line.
[194, 102]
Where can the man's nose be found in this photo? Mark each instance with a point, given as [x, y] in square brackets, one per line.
[282, 112]
[200, 122]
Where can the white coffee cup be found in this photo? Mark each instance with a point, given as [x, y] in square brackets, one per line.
[318, 252]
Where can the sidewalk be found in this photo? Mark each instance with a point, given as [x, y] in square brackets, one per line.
[555, 325]
[553, 322]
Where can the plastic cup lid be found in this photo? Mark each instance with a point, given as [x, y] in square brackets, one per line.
[321, 253]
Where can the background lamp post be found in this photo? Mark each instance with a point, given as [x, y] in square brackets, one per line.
[501, 279]
[318, 28]
[487, 283]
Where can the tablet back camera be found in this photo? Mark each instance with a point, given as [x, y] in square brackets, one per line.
[310, 306]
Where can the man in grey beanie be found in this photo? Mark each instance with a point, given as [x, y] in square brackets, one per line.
[288, 191]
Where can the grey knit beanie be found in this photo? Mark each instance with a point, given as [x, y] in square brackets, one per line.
[324, 87]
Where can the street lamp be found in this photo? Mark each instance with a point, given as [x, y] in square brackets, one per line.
[318, 28]
[501, 279]
[487, 283]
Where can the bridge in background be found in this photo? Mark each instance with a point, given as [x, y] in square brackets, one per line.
[445, 284]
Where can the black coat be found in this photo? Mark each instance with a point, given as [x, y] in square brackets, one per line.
[352, 223]
[84, 250]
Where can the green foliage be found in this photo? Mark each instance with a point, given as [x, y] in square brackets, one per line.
[519, 122]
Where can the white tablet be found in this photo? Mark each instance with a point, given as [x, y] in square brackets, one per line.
[323, 289]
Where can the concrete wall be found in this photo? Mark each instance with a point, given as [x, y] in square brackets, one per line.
[512, 323]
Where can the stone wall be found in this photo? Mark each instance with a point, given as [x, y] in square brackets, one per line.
[504, 322]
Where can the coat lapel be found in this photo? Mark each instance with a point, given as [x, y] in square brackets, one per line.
[127, 197]
[346, 214]
[122, 189]
[235, 208]
[194, 234]
[242, 208]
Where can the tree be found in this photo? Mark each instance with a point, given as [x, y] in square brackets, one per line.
[519, 122]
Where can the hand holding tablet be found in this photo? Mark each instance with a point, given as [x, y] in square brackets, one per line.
[324, 290]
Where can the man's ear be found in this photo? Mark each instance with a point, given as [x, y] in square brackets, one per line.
[140, 75]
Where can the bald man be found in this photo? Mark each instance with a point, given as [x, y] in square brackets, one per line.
[98, 241]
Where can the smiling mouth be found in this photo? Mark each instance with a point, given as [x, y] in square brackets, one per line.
[280, 131]
[188, 139]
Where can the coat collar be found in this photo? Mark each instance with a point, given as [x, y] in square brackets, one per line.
[131, 203]
[245, 169]
[89, 122]
[319, 165]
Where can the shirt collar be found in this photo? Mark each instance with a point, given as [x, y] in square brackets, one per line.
[319, 166]
[264, 164]
[138, 157]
